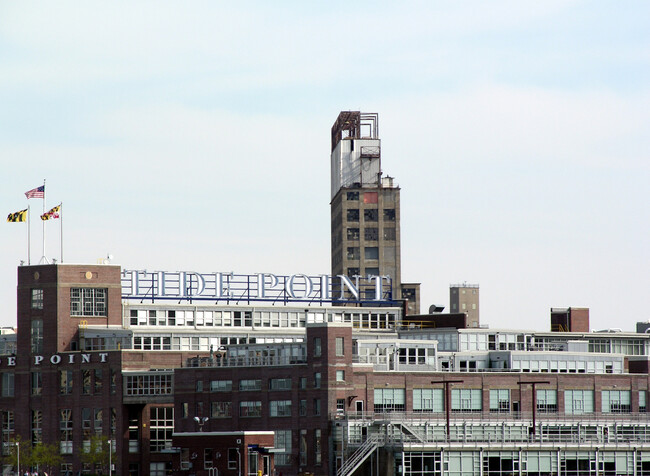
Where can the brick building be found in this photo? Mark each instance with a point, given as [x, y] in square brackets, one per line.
[201, 385]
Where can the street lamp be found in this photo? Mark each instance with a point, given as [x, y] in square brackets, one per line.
[110, 457]
[17, 443]
[201, 421]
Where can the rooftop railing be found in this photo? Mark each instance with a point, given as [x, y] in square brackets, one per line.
[245, 361]
[417, 428]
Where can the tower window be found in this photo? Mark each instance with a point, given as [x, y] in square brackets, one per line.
[37, 299]
[352, 195]
[372, 272]
[371, 234]
[353, 252]
[389, 234]
[353, 214]
[389, 214]
[88, 301]
[353, 271]
[371, 214]
[370, 197]
[353, 234]
[371, 252]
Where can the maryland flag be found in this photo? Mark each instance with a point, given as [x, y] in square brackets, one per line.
[18, 216]
[52, 214]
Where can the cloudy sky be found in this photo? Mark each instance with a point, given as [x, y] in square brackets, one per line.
[196, 136]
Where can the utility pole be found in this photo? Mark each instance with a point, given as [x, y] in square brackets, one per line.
[534, 400]
[446, 383]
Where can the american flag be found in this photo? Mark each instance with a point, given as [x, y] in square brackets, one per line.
[38, 192]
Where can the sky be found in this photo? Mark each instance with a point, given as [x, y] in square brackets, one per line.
[196, 136]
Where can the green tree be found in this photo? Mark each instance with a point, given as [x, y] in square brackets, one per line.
[97, 453]
[19, 449]
[47, 457]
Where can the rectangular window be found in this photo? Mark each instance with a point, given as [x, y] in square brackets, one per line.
[303, 408]
[578, 402]
[37, 383]
[389, 234]
[37, 427]
[371, 234]
[466, 400]
[370, 293]
[134, 435]
[370, 197]
[389, 214]
[353, 234]
[371, 214]
[185, 460]
[65, 382]
[316, 406]
[371, 252]
[280, 408]
[428, 400]
[250, 385]
[283, 441]
[615, 401]
[317, 347]
[317, 379]
[547, 401]
[207, 458]
[221, 385]
[352, 215]
[317, 447]
[65, 433]
[340, 406]
[37, 299]
[98, 380]
[352, 195]
[280, 384]
[353, 272]
[339, 346]
[500, 400]
[303, 383]
[86, 382]
[303, 448]
[233, 458]
[185, 410]
[86, 428]
[8, 430]
[221, 409]
[353, 252]
[37, 336]
[149, 384]
[250, 409]
[642, 401]
[89, 302]
[8, 384]
[113, 382]
[389, 400]
[161, 427]
[340, 375]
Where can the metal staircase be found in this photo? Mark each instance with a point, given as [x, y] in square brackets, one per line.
[357, 458]
[408, 430]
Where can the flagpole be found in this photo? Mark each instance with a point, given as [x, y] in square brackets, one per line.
[61, 230]
[44, 259]
[29, 241]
